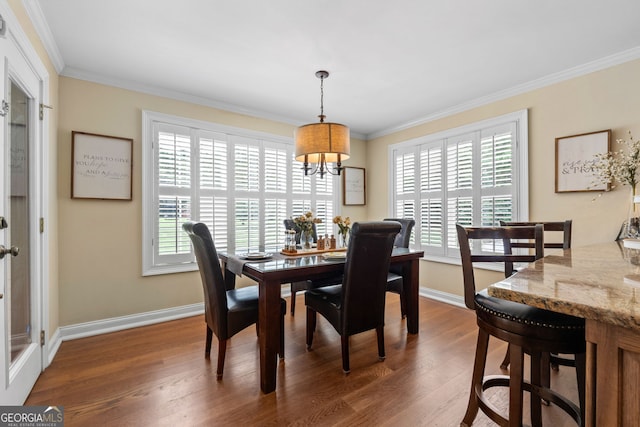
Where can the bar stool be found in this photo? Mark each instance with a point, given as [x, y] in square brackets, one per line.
[527, 330]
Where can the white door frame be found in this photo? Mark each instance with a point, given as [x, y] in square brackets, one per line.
[39, 172]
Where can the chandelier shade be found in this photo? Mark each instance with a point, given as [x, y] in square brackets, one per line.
[322, 143]
[315, 139]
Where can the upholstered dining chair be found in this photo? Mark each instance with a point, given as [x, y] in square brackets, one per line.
[226, 311]
[357, 305]
[527, 330]
[303, 285]
[561, 231]
[394, 278]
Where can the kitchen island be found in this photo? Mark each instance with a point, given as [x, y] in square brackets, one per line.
[600, 283]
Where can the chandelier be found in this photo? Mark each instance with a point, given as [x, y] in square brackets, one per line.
[322, 143]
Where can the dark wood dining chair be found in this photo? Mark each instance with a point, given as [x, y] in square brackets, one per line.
[226, 311]
[527, 329]
[357, 305]
[394, 278]
[563, 241]
[303, 285]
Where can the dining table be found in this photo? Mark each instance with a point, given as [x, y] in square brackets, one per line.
[600, 283]
[279, 268]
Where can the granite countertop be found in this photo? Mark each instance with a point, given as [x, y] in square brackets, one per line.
[598, 282]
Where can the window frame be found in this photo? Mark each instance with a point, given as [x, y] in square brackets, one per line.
[150, 185]
[519, 186]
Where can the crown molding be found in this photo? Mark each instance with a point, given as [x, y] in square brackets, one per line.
[180, 96]
[41, 26]
[580, 70]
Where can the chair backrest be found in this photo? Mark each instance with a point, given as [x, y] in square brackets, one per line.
[365, 275]
[557, 226]
[215, 298]
[496, 237]
[290, 225]
[404, 236]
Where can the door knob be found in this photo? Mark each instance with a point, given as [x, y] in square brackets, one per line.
[13, 251]
[3, 223]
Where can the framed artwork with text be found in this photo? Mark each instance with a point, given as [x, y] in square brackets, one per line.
[101, 167]
[575, 157]
[353, 186]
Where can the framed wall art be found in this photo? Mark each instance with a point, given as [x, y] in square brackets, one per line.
[353, 186]
[101, 166]
[575, 157]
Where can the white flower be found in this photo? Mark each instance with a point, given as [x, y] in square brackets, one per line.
[622, 166]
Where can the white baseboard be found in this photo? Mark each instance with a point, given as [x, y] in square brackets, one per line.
[445, 297]
[113, 324]
[53, 344]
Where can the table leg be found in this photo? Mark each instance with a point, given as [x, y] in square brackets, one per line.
[410, 279]
[268, 333]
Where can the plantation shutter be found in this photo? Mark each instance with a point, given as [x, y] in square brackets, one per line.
[242, 184]
[431, 197]
[472, 177]
[460, 185]
[174, 202]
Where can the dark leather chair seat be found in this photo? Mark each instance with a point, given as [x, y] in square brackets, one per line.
[226, 311]
[524, 319]
[394, 278]
[357, 305]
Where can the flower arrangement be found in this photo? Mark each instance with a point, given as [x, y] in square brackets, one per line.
[305, 221]
[623, 167]
[344, 224]
[620, 166]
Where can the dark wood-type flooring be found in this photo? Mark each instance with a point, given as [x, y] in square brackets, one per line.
[157, 375]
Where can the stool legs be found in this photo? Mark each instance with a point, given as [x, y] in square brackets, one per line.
[476, 381]
[516, 360]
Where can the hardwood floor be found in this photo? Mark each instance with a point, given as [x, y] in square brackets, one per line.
[157, 375]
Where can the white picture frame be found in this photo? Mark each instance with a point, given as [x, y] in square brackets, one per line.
[353, 186]
[575, 157]
[101, 167]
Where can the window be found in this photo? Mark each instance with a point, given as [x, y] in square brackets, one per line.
[241, 183]
[474, 175]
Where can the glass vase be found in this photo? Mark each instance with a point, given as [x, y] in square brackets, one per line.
[632, 226]
[343, 239]
[305, 239]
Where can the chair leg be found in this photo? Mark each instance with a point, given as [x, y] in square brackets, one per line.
[403, 305]
[222, 351]
[207, 346]
[311, 326]
[516, 376]
[476, 380]
[581, 363]
[281, 351]
[293, 302]
[539, 376]
[545, 373]
[380, 333]
[505, 362]
[345, 354]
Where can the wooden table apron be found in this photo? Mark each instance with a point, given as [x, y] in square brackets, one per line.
[269, 282]
[598, 283]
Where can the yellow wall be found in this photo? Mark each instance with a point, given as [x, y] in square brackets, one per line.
[607, 99]
[100, 241]
[95, 246]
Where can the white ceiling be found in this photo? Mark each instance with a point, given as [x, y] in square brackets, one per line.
[392, 63]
